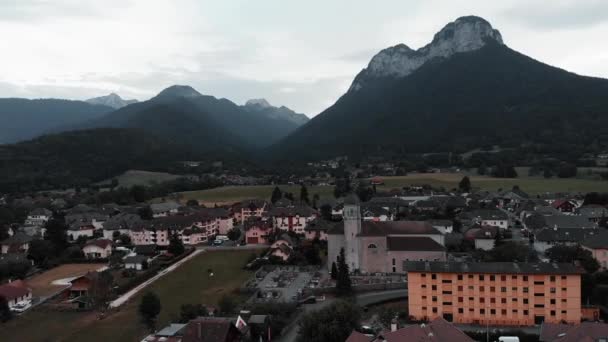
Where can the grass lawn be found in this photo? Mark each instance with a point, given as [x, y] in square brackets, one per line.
[231, 194]
[187, 284]
[528, 184]
[138, 177]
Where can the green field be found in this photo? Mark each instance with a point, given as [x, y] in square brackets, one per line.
[137, 177]
[190, 283]
[231, 194]
[532, 185]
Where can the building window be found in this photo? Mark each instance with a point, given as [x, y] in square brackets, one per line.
[514, 289]
[552, 278]
[563, 277]
[539, 283]
[492, 289]
[460, 310]
[471, 298]
[492, 300]
[514, 300]
[424, 308]
[503, 300]
[459, 288]
[552, 301]
[433, 276]
[525, 278]
[503, 312]
[482, 311]
[446, 281]
[513, 277]
[460, 277]
[460, 299]
[503, 289]
[525, 300]
[525, 290]
[423, 275]
[482, 300]
[447, 303]
[552, 312]
[393, 261]
[447, 292]
[471, 287]
[492, 311]
[539, 295]
[434, 298]
[564, 289]
[539, 305]
[481, 277]
[525, 312]
[423, 286]
[552, 290]
[371, 245]
[514, 311]
[563, 312]
[434, 310]
[423, 297]
[434, 287]
[564, 300]
[471, 310]
[470, 276]
[503, 278]
[492, 278]
[481, 289]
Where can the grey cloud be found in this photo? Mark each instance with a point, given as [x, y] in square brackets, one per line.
[556, 15]
[20, 10]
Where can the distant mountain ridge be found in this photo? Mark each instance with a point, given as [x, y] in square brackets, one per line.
[112, 100]
[464, 90]
[263, 107]
[22, 119]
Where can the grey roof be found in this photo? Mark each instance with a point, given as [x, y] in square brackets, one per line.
[491, 267]
[565, 234]
[170, 330]
[40, 212]
[593, 211]
[412, 243]
[136, 259]
[257, 319]
[18, 238]
[384, 228]
[122, 221]
[567, 221]
[490, 214]
[162, 207]
[599, 241]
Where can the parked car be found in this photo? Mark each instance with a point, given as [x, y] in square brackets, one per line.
[218, 242]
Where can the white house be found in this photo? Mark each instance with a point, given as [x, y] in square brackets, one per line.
[15, 292]
[38, 217]
[98, 249]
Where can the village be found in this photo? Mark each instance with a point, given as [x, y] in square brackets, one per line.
[466, 258]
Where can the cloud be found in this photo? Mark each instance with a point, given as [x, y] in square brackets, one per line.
[560, 14]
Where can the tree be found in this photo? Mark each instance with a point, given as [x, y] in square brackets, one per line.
[498, 241]
[56, 233]
[333, 323]
[5, 311]
[189, 312]
[145, 213]
[364, 192]
[465, 184]
[566, 170]
[547, 173]
[101, 290]
[125, 239]
[226, 305]
[40, 251]
[569, 254]
[276, 195]
[334, 271]
[312, 256]
[315, 200]
[326, 212]
[149, 308]
[342, 187]
[192, 203]
[343, 283]
[304, 194]
[138, 193]
[234, 234]
[176, 246]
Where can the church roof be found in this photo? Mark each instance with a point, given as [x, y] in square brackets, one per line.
[413, 243]
[383, 228]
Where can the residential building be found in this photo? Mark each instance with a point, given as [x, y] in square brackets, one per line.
[318, 228]
[121, 224]
[242, 211]
[490, 217]
[372, 247]
[483, 237]
[567, 221]
[437, 330]
[565, 206]
[375, 213]
[98, 249]
[547, 237]
[164, 209]
[292, 219]
[15, 292]
[598, 246]
[38, 217]
[212, 329]
[593, 212]
[135, 262]
[443, 226]
[496, 293]
[78, 229]
[258, 230]
[18, 243]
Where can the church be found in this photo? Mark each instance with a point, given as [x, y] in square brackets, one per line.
[382, 246]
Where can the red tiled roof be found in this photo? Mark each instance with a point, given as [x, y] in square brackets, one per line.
[573, 333]
[14, 290]
[438, 330]
[356, 336]
[210, 329]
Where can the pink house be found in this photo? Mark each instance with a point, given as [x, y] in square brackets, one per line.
[598, 246]
[257, 230]
[293, 219]
[242, 211]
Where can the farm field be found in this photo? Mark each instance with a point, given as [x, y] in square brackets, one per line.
[41, 284]
[138, 177]
[532, 185]
[190, 283]
[231, 194]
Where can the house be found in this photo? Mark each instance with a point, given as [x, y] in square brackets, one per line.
[547, 237]
[292, 219]
[192, 229]
[593, 212]
[221, 216]
[15, 292]
[491, 217]
[146, 250]
[120, 224]
[78, 229]
[164, 209]
[317, 229]
[258, 230]
[135, 262]
[579, 332]
[80, 286]
[18, 243]
[171, 333]
[246, 209]
[444, 226]
[95, 219]
[494, 293]
[211, 329]
[483, 236]
[372, 247]
[375, 213]
[598, 246]
[98, 249]
[337, 211]
[284, 239]
[437, 330]
[567, 221]
[565, 206]
[281, 251]
[38, 217]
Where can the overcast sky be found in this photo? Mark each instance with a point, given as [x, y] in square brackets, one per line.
[302, 54]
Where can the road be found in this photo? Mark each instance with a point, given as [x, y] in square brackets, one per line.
[362, 299]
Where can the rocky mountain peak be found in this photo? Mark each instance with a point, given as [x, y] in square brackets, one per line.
[112, 100]
[258, 102]
[464, 34]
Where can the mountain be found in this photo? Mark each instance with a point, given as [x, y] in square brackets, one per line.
[262, 107]
[185, 116]
[81, 157]
[112, 100]
[464, 90]
[22, 119]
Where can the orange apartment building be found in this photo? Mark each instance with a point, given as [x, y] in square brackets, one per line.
[495, 293]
